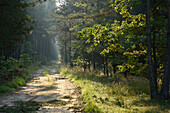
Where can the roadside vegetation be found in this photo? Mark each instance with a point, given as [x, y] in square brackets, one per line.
[114, 94]
[16, 82]
[14, 74]
[34, 105]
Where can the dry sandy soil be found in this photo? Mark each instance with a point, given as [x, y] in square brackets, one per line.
[44, 89]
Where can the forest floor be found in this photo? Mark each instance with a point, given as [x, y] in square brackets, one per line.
[118, 94]
[43, 94]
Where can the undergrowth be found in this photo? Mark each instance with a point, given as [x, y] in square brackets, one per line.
[110, 94]
[30, 106]
[22, 107]
[10, 85]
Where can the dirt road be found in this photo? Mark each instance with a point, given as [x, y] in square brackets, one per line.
[55, 93]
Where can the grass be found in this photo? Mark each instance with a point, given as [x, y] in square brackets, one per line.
[18, 81]
[46, 73]
[30, 106]
[119, 95]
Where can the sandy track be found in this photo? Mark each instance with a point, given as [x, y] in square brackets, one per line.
[45, 89]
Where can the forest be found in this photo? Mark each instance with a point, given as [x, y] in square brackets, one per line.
[115, 54]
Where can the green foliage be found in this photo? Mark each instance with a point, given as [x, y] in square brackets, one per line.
[26, 56]
[18, 81]
[12, 74]
[122, 41]
[92, 108]
[25, 60]
[5, 88]
[10, 69]
[13, 79]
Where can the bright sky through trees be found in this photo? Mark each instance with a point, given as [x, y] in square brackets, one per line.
[59, 2]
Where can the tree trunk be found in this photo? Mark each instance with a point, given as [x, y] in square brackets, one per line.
[2, 53]
[70, 36]
[104, 68]
[36, 47]
[107, 68]
[153, 84]
[19, 50]
[85, 64]
[5, 52]
[65, 50]
[94, 61]
[70, 62]
[114, 68]
[111, 71]
[165, 84]
[154, 57]
[89, 64]
[98, 6]
[48, 46]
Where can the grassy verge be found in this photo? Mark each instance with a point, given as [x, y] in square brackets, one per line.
[19, 81]
[119, 95]
[45, 72]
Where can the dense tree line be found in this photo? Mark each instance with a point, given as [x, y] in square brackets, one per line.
[24, 38]
[42, 40]
[119, 36]
[14, 26]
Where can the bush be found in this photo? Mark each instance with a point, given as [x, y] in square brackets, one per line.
[25, 60]
[11, 68]
[4, 89]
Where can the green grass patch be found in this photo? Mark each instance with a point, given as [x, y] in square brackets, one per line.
[119, 95]
[46, 73]
[16, 82]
